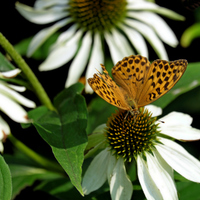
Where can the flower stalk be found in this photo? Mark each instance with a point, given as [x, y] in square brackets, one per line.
[47, 164]
[37, 87]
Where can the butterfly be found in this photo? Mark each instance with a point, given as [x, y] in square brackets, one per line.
[137, 82]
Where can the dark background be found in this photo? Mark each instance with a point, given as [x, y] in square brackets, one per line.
[15, 28]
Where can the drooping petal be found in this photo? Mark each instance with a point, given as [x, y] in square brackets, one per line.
[61, 54]
[150, 35]
[111, 166]
[179, 159]
[155, 110]
[16, 87]
[136, 39]
[148, 186]
[177, 125]
[16, 96]
[13, 110]
[163, 163]
[1, 147]
[115, 53]
[96, 175]
[43, 35]
[96, 59]
[120, 185]
[161, 178]
[40, 16]
[78, 65]
[10, 74]
[145, 5]
[122, 43]
[158, 24]
[4, 128]
[64, 37]
[42, 4]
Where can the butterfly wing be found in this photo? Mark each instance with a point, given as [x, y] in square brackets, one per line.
[130, 74]
[107, 89]
[161, 77]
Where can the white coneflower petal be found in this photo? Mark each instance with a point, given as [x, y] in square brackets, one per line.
[149, 34]
[136, 39]
[158, 24]
[41, 4]
[16, 87]
[96, 175]
[114, 51]
[4, 128]
[179, 159]
[78, 65]
[148, 186]
[96, 58]
[43, 35]
[40, 16]
[62, 54]
[145, 5]
[120, 185]
[163, 163]
[155, 110]
[10, 74]
[177, 125]
[122, 43]
[65, 37]
[161, 178]
[13, 110]
[16, 96]
[111, 166]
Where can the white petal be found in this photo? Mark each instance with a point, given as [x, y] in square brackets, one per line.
[79, 63]
[17, 88]
[40, 16]
[120, 185]
[179, 159]
[150, 35]
[96, 175]
[4, 128]
[16, 96]
[145, 5]
[158, 24]
[13, 110]
[122, 43]
[43, 35]
[176, 118]
[149, 188]
[163, 163]
[1, 147]
[161, 178]
[177, 125]
[136, 39]
[111, 166]
[96, 59]
[61, 54]
[116, 54]
[42, 4]
[10, 74]
[64, 36]
[155, 110]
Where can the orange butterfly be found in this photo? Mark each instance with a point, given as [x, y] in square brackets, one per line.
[140, 83]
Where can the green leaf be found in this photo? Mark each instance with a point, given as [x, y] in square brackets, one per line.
[188, 190]
[188, 81]
[5, 180]
[23, 176]
[42, 52]
[5, 65]
[98, 112]
[65, 131]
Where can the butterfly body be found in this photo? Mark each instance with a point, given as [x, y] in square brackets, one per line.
[137, 82]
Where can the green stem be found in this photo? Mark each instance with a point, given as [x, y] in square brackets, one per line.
[36, 157]
[39, 90]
